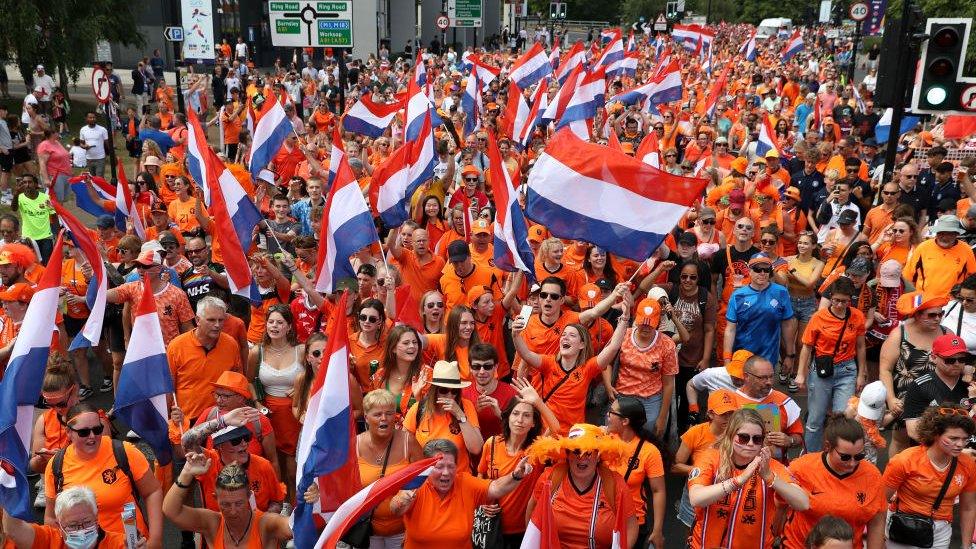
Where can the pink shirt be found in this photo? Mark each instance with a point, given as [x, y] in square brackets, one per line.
[58, 161]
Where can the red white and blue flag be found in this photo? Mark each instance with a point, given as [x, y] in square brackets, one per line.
[631, 42]
[554, 57]
[21, 387]
[583, 104]
[418, 104]
[396, 180]
[347, 227]
[95, 298]
[531, 67]
[103, 190]
[272, 129]
[145, 380]
[575, 57]
[664, 88]
[649, 151]
[523, 127]
[584, 191]
[326, 447]
[512, 251]
[485, 72]
[541, 532]
[370, 118]
[471, 104]
[234, 214]
[613, 53]
[364, 501]
[793, 46]
[125, 206]
[767, 138]
[748, 49]
[557, 104]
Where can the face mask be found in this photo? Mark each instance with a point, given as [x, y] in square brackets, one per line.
[82, 539]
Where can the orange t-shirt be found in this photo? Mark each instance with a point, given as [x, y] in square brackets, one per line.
[362, 355]
[568, 402]
[856, 498]
[55, 431]
[492, 332]
[100, 473]
[544, 339]
[565, 272]
[917, 482]
[699, 439]
[495, 463]
[740, 520]
[420, 278]
[435, 521]
[385, 523]
[436, 349]
[876, 221]
[50, 537]
[193, 369]
[172, 306]
[265, 486]
[648, 465]
[73, 281]
[232, 124]
[642, 370]
[936, 270]
[823, 330]
[184, 214]
[455, 287]
[573, 512]
[437, 424]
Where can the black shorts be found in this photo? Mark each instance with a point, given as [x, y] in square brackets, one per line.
[73, 325]
[6, 162]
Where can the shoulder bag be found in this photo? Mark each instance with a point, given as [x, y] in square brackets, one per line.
[918, 530]
[824, 364]
[359, 533]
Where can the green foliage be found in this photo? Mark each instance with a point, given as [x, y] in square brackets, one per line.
[63, 33]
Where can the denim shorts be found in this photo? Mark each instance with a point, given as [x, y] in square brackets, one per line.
[804, 307]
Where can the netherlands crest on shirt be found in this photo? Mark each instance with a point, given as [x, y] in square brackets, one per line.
[695, 473]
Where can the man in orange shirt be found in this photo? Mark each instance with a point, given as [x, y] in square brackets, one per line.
[463, 274]
[232, 117]
[938, 264]
[198, 358]
[419, 267]
[880, 218]
[784, 430]
[482, 248]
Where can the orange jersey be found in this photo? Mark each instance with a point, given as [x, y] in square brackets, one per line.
[568, 400]
[184, 214]
[385, 523]
[644, 465]
[699, 439]
[420, 277]
[740, 520]
[917, 482]
[101, 473]
[935, 270]
[74, 283]
[455, 287]
[193, 369]
[438, 424]
[573, 512]
[856, 497]
[495, 463]
[824, 329]
[261, 478]
[544, 339]
[50, 537]
[434, 521]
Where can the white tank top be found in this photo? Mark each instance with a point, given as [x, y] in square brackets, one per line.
[278, 383]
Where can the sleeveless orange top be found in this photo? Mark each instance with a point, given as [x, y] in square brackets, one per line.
[55, 433]
[253, 536]
[385, 523]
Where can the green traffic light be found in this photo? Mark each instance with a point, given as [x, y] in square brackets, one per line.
[936, 96]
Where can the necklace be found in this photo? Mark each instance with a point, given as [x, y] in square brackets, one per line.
[237, 541]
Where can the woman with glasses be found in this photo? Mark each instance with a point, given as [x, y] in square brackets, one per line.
[314, 350]
[76, 512]
[89, 460]
[444, 414]
[898, 241]
[740, 480]
[840, 483]
[402, 372]
[272, 366]
[671, 162]
[833, 354]
[769, 244]
[472, 187]
[917, 475]
[643, 471]
[695, 307]
[366, 345]
[709, 239]
[432, 312]
[905, 354]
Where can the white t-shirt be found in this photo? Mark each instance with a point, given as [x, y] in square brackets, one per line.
[46, 84]
[968, 330]
[79, 156]
[94, 138]
[28, 100]
[231, 82]
[240, 50]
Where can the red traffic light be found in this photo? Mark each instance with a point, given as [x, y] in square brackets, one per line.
[941, 67]
[946, 37]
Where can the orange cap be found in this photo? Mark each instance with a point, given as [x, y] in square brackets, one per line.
[474, 294]
[469, 169]
[737, 366]
[721, 401]
[538, 233]
[648, 312]
[589, 296]
[233, 381]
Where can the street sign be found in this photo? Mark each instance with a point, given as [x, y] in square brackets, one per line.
[465, 13]
[968, 98]
[859, 11]
[173, 34]
[311, 24]
[443, 22]
[661, 24]
[100, 85]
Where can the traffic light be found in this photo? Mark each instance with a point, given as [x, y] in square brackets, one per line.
[940, 87]
[553, 10]
[561, 11]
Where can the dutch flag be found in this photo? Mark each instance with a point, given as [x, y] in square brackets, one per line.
[125, 206]
[272, 129]
[370, 118]
[512, 251]
[531, 67]
[793, 46]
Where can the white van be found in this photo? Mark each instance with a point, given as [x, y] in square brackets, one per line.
[774, 26]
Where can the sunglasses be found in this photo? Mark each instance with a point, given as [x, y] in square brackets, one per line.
[60, 404]
[910, 176]
[899, 231]
[889, 193]
[689, 277]
[768, 242]
[670, 156]
[88, 431]
[744, 438]
[707, 221]
[237, 441]
[744, 227]
[547, 295]
[960, 360]
[482, 366]
[196, 251]
[945, 411]
[368, 318]
[614, 413]
[762, 270]
[848, 457]
[435, 305]
[475, 179]
[932, 316]
[223, 396]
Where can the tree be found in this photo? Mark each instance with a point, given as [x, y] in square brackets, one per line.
[63, 33]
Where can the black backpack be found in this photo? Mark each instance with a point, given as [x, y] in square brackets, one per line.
[121, 459]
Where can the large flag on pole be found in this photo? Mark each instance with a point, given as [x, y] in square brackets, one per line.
[326, 447]
[21, 387]
[95, 298]
[272, 129]
[145, 380]
[584, 191]
[512, 251]
[125, 206]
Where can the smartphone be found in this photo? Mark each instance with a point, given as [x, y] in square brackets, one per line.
[525, 313]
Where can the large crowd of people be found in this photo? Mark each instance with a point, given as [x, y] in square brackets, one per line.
[572, 391]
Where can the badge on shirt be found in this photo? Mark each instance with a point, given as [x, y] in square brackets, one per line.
[695, 473]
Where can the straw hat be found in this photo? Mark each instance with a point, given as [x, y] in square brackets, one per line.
[447, 374]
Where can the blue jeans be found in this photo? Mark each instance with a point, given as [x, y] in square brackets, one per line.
[652, 408]
[827, 395]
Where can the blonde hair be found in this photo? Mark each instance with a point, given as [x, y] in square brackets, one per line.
[738, 419]
[378, 397]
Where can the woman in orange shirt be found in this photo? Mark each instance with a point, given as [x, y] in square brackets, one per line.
[430, 218]
[77, 519]
[383, 449]
[582, 490]
[734, 487]
[550, 263]
[443, 413]
[898, 241]
[366, 345]
[459, 335]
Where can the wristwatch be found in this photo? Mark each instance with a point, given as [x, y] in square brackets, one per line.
[462, 420]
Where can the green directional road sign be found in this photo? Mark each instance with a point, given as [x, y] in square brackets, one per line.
[465, 13]
[311, 23]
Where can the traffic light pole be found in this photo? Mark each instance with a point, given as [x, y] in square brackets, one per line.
[901, 86]
[857, 41]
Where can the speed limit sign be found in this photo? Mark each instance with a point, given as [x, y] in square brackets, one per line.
[859, 11]
[443, 22]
